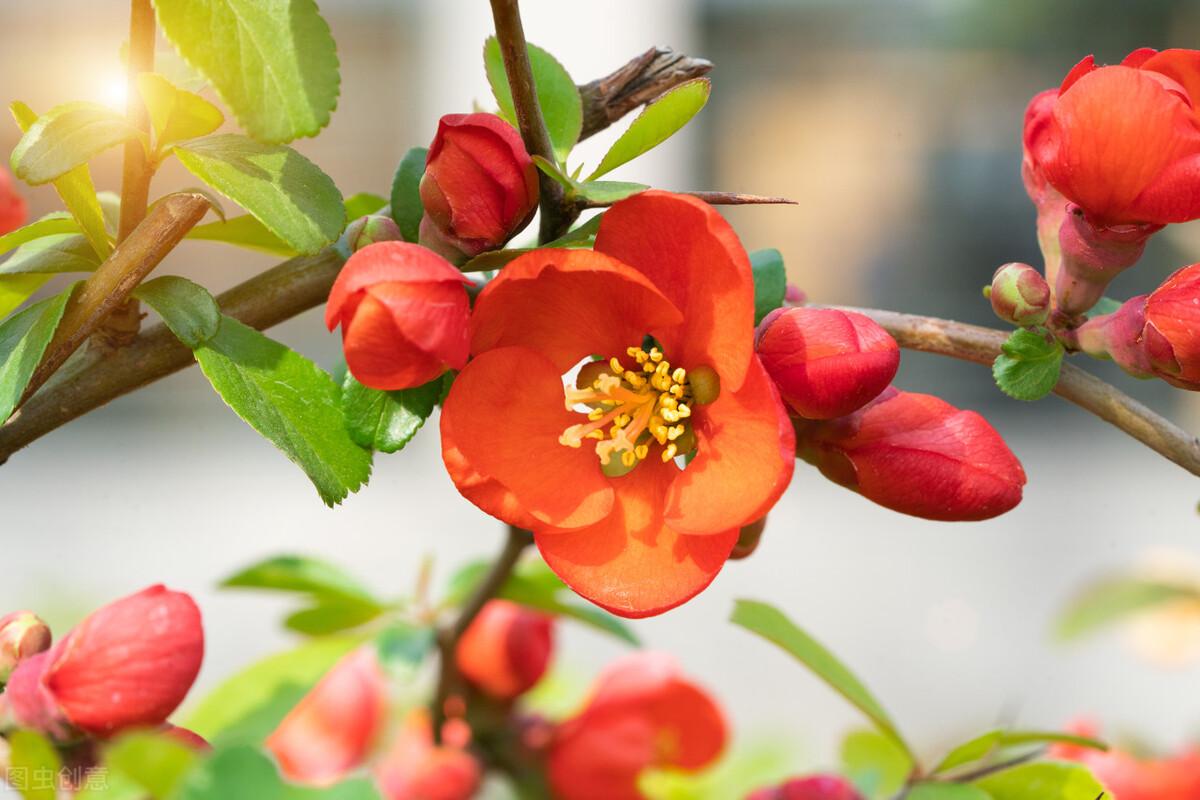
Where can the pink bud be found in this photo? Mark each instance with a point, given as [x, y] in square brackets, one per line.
[13, 211]
[826, 363]
[370, 229]
[414, 768]
[1020, 295]
[22, 635]
[506, 649]
[813, 787]
[1119, 336]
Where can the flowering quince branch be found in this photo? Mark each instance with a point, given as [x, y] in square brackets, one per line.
[714, 199]
[643, 79]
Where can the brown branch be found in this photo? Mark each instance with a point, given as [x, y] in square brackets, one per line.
[643, 79]
[982, 345]
[114, 280]
[715, 199]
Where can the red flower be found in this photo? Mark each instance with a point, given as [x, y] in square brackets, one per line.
[506, 649]
[13, 211]
[613, 514]
[130, 663]
[826, 363]
[332, 729]
[416, 769]
[480, 186]
[1123, 142]
[403, 312]
[642, 714]
[814, 787]
[918, 455]
[1126, 777]
[1172, 334]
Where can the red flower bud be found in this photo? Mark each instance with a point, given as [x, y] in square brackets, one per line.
[370, 229]
[22, 635]
[814, 787]
[1119, 336]
[643, 714]
[506, 649]
[1020, 295]
[1128, 777]
[1122, 141]
[826, 363]
[1092, 256]
[403, 311]
[415, 769]
[919, 455]
[130, 663]
[480, 186]
[1172, 333]
[13, 211]
[332, 729]
[748, 538]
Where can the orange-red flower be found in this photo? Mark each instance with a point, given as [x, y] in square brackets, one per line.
[332, 729]
[592, 470]
[414, 768]
[506, 649]
[1172, 333]
[642, 714]
[13, 211]
[1123, 141]
[1127, 777]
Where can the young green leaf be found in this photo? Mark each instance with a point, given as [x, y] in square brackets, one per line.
[285, 191]
[31, 758]
[156, 762]
[187, 308]
[387, 421]
[406, 195]
[273, 62]
[290, 401]
[51, 255]
[66, 137]
[176, 114]
[1117, 599]
[608, 192]
[403, 645]
[49, 225]
[23, 340]
[1042, 781]
[300, 574]
[558, 96]
[16, 289]
[362, 204]
[1028, 367]
[244, 231]
[76, 189]
[946, 791]
[988, 743]
[875, 763]
[658, 122]
[770, 281]
[331, 616]
[771, 624]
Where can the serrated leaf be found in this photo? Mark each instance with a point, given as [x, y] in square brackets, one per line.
[771, 624]
[155, 762]
[290, 573]
[875, 763]
[66, 137]
[33, 766]
[658, 122]
[362, 204]
[1028, 366]
[51, 255]
[558, 96]
[387, 421]
[273, 62]
[770, 281]
[46, 226]
[244, 231]
[187, 308]
[1114, 600]
[76, 189]
[1042, 781]
[290, 401]
[285, 191]
[176, 114]
[23, 339]
[946, 791]
[407, 209]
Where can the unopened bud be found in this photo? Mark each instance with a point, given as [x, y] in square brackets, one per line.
[22, 634]
[748, 539]
[1092, 256]
[371, 229]
[1020, 295]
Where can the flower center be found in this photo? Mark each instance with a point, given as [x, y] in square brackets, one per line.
[632, 410]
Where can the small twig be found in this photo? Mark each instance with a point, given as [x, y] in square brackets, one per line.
[715, 199]
[643, 79]
[982, 345]
[117, 277]
[447, 637]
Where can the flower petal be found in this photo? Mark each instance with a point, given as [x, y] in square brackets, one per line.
[488, 494]
[691, 254]
[384, 262]
[745, 459]
[378, 354]
[503, 416]
[568, 304]
[631, 563]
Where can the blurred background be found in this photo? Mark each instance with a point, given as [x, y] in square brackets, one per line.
[896, 125]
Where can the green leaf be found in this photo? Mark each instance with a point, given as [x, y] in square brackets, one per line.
[33, 766]
[403, 645]
[947, 791]
[332, 616]
[387, 421]
[290, 401]
[301, 574]
[252, 703]
[1028, 367]
[242, 772]
[608, 192]
[176, 114]
[1042, 781]
[558, 96]
[770, 281]
[23, 340]
[1114, 600]
[771, 624]
[66, 137]
[76, 189]
[155, 762]
[273, 62]
[285, 191]
[875, 763]
[988, 743]
[187, 308]
[46, 226]
[362, 204]
[16, 289]
[50, 255]
[658, 122]
[407, 209]
[244, 231]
